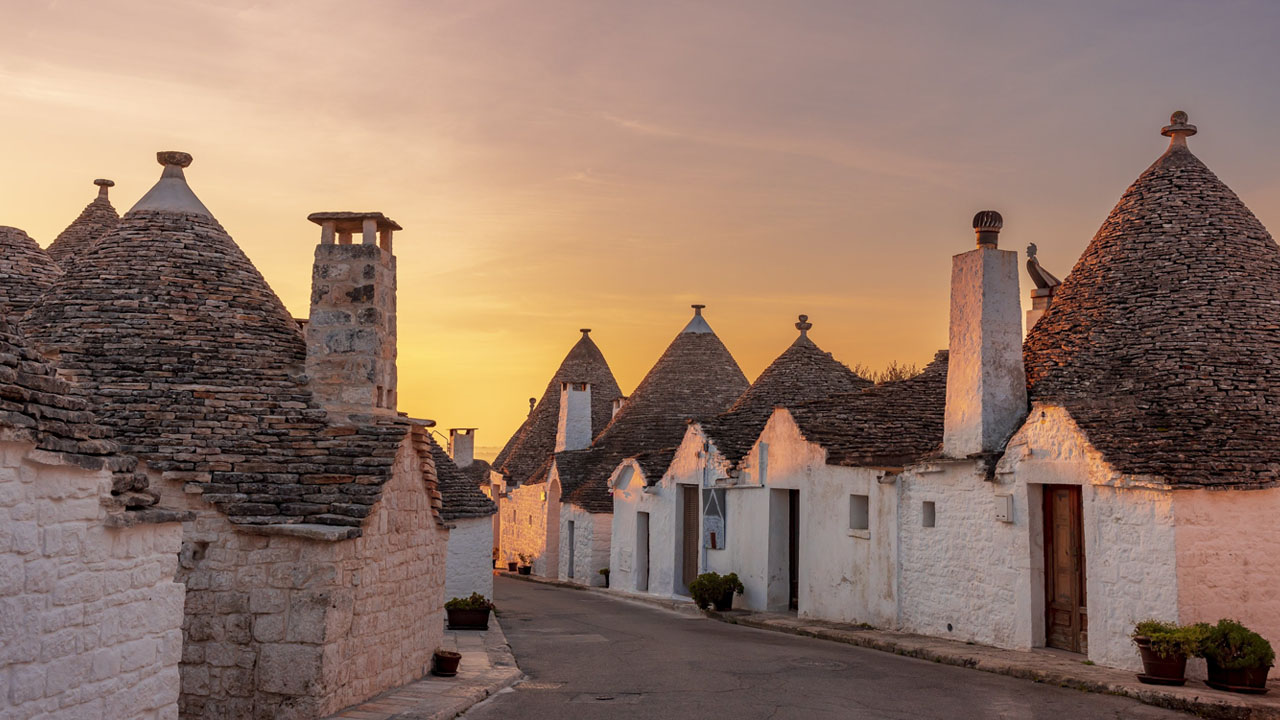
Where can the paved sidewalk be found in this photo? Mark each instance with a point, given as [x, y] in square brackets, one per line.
[487, 667]
[1046, 666]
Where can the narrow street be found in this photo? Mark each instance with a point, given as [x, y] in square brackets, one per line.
[588, 656]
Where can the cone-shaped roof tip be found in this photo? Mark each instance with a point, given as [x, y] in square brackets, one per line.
[584, 331]
[697, 325]
[171, 193]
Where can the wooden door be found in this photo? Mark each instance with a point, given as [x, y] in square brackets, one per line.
[793, 547]
[642, 551]
[572, 542]
[1066, 621]
[689, 569]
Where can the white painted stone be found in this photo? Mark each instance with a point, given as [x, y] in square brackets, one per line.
[470, 562]
[986, 382]
[573, 428]
[590, 538]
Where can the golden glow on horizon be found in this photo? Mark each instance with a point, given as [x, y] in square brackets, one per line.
[559, 165]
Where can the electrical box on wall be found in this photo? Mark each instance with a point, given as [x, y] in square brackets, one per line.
[1004, 508]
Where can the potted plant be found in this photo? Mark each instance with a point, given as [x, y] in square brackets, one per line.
[526, 564]
[511, 565]
[1164, 647]
[605, 573]
[1238, 658]
[713, 589]
[470, 613]
[445, 662]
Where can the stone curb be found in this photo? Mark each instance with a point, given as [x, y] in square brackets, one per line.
[1027, 665]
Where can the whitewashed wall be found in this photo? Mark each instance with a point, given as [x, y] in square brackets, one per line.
[591, 539]
[90, 616]
[470, 562]
[524, 525]
[985, 578]
[626, 556]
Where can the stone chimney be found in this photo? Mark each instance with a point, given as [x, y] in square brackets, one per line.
[573, 431]
[462, 446]
[986, 382]
[351, 333]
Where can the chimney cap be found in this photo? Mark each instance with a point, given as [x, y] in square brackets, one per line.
[173, 157]
[804, 326]
[353, 222]
[1178, 127]
[461, 429]
[988, 220]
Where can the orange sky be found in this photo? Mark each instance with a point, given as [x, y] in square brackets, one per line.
[559, 165]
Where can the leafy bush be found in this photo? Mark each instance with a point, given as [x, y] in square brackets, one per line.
[1233, 646]
[1168, 639]
[525, 559]
[710, 587]
[475, 602]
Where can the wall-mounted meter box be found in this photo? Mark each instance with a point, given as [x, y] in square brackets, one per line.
[1004, 508]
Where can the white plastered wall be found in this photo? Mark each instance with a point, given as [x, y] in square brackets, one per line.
[470, 567]
[591, 540]
[974, 578]
[90, 616]
[626, 556]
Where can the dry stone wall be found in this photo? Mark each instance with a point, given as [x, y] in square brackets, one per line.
[292, 626]
[90, 617]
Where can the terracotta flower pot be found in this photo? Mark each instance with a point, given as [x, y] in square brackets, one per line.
[1160, 669]
[511, 567]
[526, 569]
[445, 663]
[1243, 680]
[468, 619]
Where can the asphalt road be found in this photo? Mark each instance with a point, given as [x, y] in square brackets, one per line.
[588, 656]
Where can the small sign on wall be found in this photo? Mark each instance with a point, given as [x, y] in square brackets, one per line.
[713, 524]
[1004, 508]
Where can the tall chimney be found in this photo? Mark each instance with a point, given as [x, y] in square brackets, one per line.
[986, 382]
[351, 333]
[462, 446]
[573, 431]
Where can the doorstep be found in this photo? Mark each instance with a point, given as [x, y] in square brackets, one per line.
[1046, 666]
[487, 667]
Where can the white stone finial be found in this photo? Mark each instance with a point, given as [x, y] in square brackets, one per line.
[171, 193]
[1178, 129]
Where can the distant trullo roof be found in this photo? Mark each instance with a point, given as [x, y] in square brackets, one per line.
[97, 219]
[1164, 341]
[25, 272]
[695, 377]
[461, 496]
[533, 444]
[803, 373]
[171, 331]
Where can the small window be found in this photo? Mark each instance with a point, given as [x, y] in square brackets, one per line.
[859, 506]
[929, 513]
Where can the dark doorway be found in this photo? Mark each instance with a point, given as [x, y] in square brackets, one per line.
[689, 565]
[793, 547]
[1066, 618]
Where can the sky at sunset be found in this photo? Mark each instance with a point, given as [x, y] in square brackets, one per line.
[559, 165]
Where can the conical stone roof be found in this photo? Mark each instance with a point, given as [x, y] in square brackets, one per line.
[168, 328]
[803, 373]
[535, 441]
[97, 219]
[888, 425]
[695, 377]
[25, 272]
[1164, 341]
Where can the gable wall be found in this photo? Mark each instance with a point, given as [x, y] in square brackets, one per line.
[591, 539]
[470, 565]
[524, 524]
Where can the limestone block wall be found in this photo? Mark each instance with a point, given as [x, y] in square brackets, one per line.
[591, 538]
[524, 525]
[470, 562]
[1225, 564]
[90, 616]
[293, 627]
[985, 578]
[631, 553]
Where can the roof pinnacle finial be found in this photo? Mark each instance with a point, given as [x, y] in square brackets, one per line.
[103, 184]
[987, 224]
[585, 331]
[804, 326]
[697, 309]
[1178, 129]
[532, 403]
